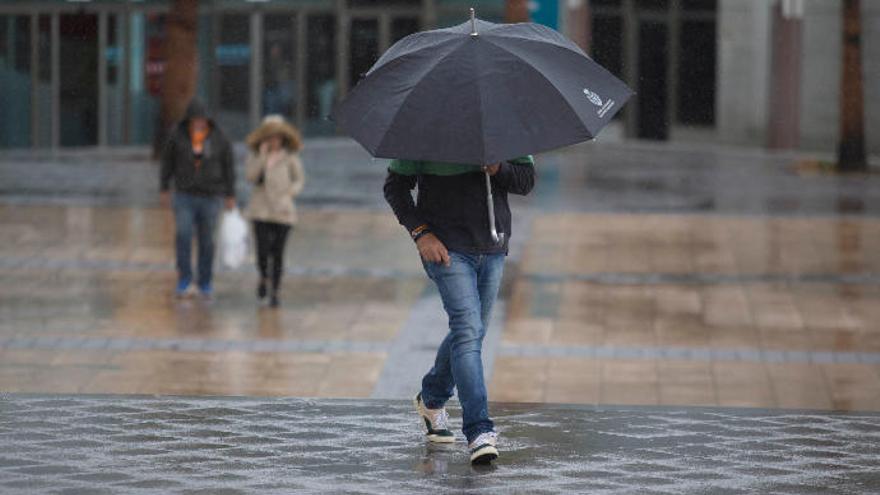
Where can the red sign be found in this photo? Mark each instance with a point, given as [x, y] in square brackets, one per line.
[154, 67]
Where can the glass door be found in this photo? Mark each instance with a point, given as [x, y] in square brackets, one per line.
[114, 94]
[321, 73]
[78, 65]
[404, 26]
[15, 79]
[363, 49]
[652, 90]
[280, 94]
[232, 58]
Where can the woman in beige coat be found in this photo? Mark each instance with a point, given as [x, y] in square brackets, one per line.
[275, 170]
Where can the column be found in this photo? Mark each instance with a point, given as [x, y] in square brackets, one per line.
[783, 125]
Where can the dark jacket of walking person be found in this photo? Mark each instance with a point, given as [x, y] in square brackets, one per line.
[198, 161]
[277, 175]
[449, 223]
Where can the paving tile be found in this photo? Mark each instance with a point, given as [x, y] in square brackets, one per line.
[745, 384]
[571, 380]
[518, 379]
[800, 386]
[702, 316]
[529, 330]
[853, 386]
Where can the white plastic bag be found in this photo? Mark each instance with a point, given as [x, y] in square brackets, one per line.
[233, 238]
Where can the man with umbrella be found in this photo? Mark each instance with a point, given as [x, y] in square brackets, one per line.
[455, 107]
[450, 230]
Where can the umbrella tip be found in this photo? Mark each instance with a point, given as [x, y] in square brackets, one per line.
[473, 23]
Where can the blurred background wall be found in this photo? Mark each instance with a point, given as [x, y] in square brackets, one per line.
[756, 72]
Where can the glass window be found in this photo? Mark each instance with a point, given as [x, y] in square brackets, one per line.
[652, 4]
[79, 81]
[696, 73]
[384, 3]
[363, 48]
[279, 66]
[115, 103]
[651, 87]
[15, 79]
[232, 58]
[607, 43]
[605, 3]
[147, 64]
[321, 73]
[700, 5]
[404, 26]
[206, 85]
[44, 81]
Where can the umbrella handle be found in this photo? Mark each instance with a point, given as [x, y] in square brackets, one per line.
[473, 23]
[498, 237]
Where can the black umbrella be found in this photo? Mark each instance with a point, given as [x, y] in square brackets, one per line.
[480, 93]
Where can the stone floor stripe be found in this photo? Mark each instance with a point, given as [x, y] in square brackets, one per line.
[690, 354]
[190, 345]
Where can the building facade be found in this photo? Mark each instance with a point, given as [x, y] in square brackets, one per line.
[749, 72]
[752, 72]
[88, 73]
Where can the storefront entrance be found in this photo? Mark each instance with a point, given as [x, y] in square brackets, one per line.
[90, 74]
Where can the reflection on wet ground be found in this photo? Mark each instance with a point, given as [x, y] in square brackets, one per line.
[637, 177]
[640, 275]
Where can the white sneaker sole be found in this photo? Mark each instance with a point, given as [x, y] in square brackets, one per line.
[431, 437]
[440, 438]
[484, 454]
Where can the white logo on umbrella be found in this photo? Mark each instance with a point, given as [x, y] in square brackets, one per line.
[594, 98]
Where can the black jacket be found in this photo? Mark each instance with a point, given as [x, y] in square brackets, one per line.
[454, 206]
[216, 174]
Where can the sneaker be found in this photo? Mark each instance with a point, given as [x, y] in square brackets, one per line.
[483, 449]
[206, 291]
[183, 289]
[273, 301]
[261, 290]
[436, 422]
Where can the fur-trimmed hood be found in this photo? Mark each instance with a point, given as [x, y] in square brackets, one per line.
[275, 125]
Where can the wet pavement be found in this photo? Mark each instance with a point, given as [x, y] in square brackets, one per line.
[667, 178]
[630, 177]
[645, 282]
[126, 444]
[639, 274]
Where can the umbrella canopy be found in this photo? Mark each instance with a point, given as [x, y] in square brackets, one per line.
[480, 93]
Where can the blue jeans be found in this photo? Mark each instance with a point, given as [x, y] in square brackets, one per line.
[468, 288]
[199, 214]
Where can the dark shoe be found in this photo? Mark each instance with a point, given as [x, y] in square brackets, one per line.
[483, 450]
[261, 289]
[436, 422]
[184, 289]
[273, 301]
[207, 292]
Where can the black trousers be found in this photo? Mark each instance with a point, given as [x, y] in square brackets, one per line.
[271, 238]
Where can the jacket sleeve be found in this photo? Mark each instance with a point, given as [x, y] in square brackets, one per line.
[398, 193]
[229, 171]
[166, 169]
[297, 175]
[516, 176]
[254, 167]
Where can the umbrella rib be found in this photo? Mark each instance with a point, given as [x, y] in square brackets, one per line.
[480, 113]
